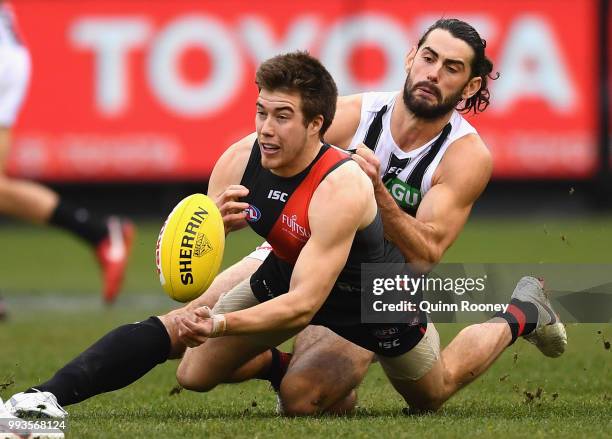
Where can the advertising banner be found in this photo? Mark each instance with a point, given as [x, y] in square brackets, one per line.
[156, 90]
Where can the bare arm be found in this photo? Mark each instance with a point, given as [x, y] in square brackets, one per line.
[346, 121]
[224, 187]
[459, 180]
[335, 214]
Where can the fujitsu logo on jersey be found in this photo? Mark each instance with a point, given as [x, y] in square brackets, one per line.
[297, 229]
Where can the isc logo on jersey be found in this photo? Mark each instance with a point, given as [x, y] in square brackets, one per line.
[252, 214]
[190, 248]
[277, 195]
[389, 344]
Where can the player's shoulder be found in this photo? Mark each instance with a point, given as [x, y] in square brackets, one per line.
[231, 165]
[240, 150]
[350, 168]
[465, 143]
[346, 195]
[469, 147]
[368, 101]
[350, 103]
[346, 120]
[466, 161]
[348, 178]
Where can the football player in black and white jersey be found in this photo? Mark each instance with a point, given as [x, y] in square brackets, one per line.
[27, 200]
[427, 166]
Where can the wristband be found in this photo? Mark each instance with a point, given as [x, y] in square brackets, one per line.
[219, 325]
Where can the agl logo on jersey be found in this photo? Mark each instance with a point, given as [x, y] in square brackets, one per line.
[404, 194]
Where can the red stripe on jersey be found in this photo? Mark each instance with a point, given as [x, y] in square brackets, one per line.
[519, 316]
[291, 230]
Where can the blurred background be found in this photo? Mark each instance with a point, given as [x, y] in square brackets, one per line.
[131, 102]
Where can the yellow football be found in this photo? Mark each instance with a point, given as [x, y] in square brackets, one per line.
[190, 248]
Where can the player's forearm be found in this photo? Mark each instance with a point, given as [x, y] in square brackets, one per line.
[268, 316]
[414, 239]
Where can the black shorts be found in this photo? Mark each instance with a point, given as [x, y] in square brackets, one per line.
[389, 340]
[341, 313]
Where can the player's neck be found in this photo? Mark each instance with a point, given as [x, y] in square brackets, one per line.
[411, 132]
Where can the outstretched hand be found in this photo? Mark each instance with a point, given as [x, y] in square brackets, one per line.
[199, 325]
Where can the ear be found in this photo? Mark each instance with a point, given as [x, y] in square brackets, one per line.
[472, 87]
[410, 58]
[315, 125]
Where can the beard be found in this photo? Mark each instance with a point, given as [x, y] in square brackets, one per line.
[422, 108]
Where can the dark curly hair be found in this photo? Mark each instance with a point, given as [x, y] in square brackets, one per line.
[300, 72]
[481, 65]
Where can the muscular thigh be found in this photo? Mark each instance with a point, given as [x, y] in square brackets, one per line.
[328, 361]
[215, 361]
[218, 358]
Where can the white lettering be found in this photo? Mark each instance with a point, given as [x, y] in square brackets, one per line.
[216, 91]
[402, 306]
[277, 195]
[349, 33]
[257, 37]
[532, 65]
[389, 344]
[483, 307]
[110, 40]
[293, 225]
[397, 190]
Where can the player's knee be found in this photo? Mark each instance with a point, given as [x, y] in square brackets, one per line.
[193, 380]
[301, 396]
[428, 401]
[304, 395]
[344, 405]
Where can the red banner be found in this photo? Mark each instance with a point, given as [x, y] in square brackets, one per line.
[132, 90]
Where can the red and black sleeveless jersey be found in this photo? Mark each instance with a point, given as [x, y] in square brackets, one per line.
[278, 211]
[279, 205]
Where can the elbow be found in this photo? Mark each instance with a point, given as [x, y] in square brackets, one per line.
[303, 315]
[425, 261]
[434, 255]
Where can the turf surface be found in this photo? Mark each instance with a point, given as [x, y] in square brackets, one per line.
[51, 284]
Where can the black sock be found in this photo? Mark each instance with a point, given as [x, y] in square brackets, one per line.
[119, 358]
[79, 221]
[278, 368]
[522, 317]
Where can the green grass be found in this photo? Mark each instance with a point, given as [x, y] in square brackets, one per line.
[45, 265]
